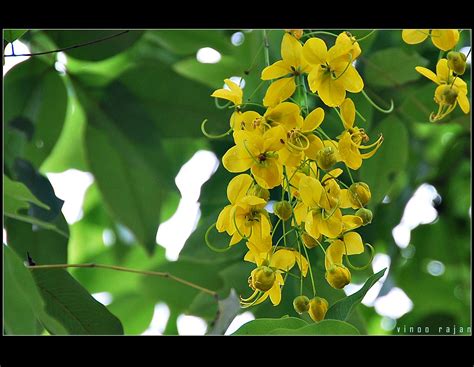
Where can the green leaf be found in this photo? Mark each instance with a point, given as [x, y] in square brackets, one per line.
[17, 196]
[96, 51]
[134, 311]
[11, 35]
[266, 326]
[69, 303]
[31, 90]
[190, 41]
[341, 310]
[381, 171]
[324, 327]
[392, 67]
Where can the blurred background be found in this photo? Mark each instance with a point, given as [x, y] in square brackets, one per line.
[109, 136]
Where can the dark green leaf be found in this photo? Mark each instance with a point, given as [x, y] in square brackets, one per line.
[266, 326]
[35, 92]
[134, 311]
[96, 51]
[341, 310]
[392, 67]
[69, 303]
[17, 196]
[325, 327]
[11, 35]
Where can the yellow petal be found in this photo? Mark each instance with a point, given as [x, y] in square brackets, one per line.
[274, 139]
[250, 200]
[276, 70]
[249, 142]
[311, 226]
[269, 174]
[228, 95]
[223, 220]
[349, 154]
[250, 121]
[302, 263]
[275, 294]
[238, 187]
[463, 102]
[331, 92]
[250, 257]
[310, 191]
[291, 50]
[315, 144]
[334, 254]
[344, 199]
[313, 120]
[442, 71]
[332, 174]
[414, 36]
[236, 238]
[427, 73]
[348, 113]
[279, 91]
[332, 226]
[350, 222]
[355, 50]
[283, 260]
[234, 160]
[352, 80]
[445, 39]
[315, 51]
[353, 243]
[300, 212]
[315, 78]
[286, 113]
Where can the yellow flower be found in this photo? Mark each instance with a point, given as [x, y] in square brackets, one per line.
[257, 152]
[266, 280]
[317, 308]
[233, 94]
[350, 141]
[245, 215]
[333, 73]
[455, 86]
[337, 275]
[444, 39]
[291, 65]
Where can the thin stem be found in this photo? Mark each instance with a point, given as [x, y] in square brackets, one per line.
[350, 174]
[390, 109]
[71, 47]
[367, 35]
[320, 32]
[267, 48]
[309, 267]
[255, 90]
[128, 270]
[305, 95]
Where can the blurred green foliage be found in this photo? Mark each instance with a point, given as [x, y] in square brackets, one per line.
[128, 110]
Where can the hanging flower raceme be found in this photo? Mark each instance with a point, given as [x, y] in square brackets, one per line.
[451, 90]
[444, 39]
[287, 164]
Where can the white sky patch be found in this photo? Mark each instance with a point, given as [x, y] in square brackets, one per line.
[269, 206]
[191, 325]
[20, 48]
[237, 80]
[173, 233]
[103, 297]
[207, 55]
[71, 186]
[379, 262]
[419, 210]
[159, 321]
[386, 199]
[4, 236]
[237, 38]
[61, 63]
[108, 237]
[465, 51]
[238, 321]
[387, 323]
[394, 304]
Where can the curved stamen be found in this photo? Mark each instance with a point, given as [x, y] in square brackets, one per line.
[219, 106]
[211, 136]
[332, 211]
[377, 142]
[390, 109]
[250, 153]
[372, 253]
[237, 228]
[344, 71]
[298, 136]
[208, 243]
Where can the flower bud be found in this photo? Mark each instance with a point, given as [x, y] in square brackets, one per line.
[326, 157]
[301, 304]
[317, 308]
[282, 210]
[257, 190]
[457, 62]
[263, 278]
[365, 215]
[297, 33]
[308, 240]
[338, 276]
[359, 194]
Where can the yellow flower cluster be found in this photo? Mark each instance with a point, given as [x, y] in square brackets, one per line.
[285, 149]
[451, 90]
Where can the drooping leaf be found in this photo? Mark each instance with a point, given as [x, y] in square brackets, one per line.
[266, 326]
[342, 309]
[11, 35]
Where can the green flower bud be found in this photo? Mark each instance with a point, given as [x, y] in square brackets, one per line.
[338, 276]
[257, 190]
[301, 304]
[360, 194]
[317, 308]
[365, 215]
[457, 62]
[282, 209]
[263, 278]
[326, 157]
